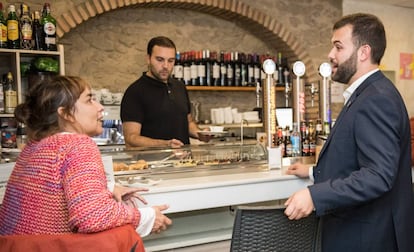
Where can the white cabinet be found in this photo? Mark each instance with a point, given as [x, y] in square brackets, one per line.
[11, 60]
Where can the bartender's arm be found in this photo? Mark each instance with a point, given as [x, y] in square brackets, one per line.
[133, 138]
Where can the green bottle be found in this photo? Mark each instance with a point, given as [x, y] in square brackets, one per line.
[13, 38]
[49, 29]
[3, 29]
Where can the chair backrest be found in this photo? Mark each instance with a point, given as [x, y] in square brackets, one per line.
[120, 239]
[269, 229]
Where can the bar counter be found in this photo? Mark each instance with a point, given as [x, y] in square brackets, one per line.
[202, 203]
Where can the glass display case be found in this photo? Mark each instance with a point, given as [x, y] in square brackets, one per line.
[189, 159]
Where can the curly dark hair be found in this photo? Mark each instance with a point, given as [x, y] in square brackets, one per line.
[39, 111]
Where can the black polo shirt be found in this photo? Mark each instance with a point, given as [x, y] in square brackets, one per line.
[160, 108]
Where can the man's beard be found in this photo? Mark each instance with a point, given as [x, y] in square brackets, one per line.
[346, 70]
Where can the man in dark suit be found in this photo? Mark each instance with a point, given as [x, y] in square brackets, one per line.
[363, 186]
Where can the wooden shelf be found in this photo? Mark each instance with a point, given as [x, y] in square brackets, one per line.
[215, 88]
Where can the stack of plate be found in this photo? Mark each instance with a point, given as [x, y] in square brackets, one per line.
[251, 116]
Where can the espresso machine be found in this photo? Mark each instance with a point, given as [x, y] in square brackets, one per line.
[112, 127]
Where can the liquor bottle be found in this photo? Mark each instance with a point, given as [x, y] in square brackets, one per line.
[10, 94]
[237, 69]
[223, 69]
[13, 39]
[280, 140]
[186, 69]
[216, 69]
[208, 67]
[243, 69]
[201, 68]
[37, 33]
[288, 143]
[326, 128]
[26, 31]
[295, 139]
[21, 137]
[230, 69]
[318, 128]
[2, 82]
[312, 138]
[256, 68]
[250, 70]
[193, 69]
[49, 29]
[3, 29]
[304, 132]
[178, 67]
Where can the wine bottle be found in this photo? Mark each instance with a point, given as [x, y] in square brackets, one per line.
[193, 69]
[3, 29]
[243, 69]
[223, 69]
[26, 31]
[201, 68]
[37, 35]
[256, 68]
[49, 29]
[215, 70]
[237, 69]
[230, 69]
[208, 67]
[250, 70]
[178, 67]
[186, 69]
[13, 39]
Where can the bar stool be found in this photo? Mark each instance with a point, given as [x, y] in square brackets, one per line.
[269, 229]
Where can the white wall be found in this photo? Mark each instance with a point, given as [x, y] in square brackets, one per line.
[400, 39]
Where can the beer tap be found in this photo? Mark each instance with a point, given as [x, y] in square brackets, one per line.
[298, 100]
[287, 94]
[274, 158]
[299, 70]
[325, 70]
[313, 90]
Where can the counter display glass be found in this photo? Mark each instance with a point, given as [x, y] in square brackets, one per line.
[193, 158]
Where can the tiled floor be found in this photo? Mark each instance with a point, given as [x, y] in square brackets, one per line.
[223, 246]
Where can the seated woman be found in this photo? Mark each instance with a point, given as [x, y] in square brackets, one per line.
[58, 185]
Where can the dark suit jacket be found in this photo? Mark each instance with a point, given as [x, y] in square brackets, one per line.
[363, 188]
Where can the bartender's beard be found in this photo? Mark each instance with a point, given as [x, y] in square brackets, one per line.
[162, 75]
[346, 70]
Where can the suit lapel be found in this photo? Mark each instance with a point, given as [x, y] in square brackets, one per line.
[349, 103]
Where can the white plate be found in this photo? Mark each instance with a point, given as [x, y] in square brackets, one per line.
[131, 172]
[211, 133]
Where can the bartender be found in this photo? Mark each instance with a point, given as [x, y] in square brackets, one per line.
[156, 109]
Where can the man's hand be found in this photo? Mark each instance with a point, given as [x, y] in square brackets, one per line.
[299, 205]
[175, 143]
[299, 170]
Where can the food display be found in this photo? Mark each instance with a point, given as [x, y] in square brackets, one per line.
[153, 161]
[138, 165]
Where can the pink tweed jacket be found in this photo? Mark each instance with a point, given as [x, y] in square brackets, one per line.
[58, 186]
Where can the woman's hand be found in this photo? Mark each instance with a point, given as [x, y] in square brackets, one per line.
[126, 194]
[161, 221]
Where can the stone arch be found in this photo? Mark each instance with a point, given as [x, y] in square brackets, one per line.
[258, 23]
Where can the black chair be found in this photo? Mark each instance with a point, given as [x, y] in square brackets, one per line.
[269, 230]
